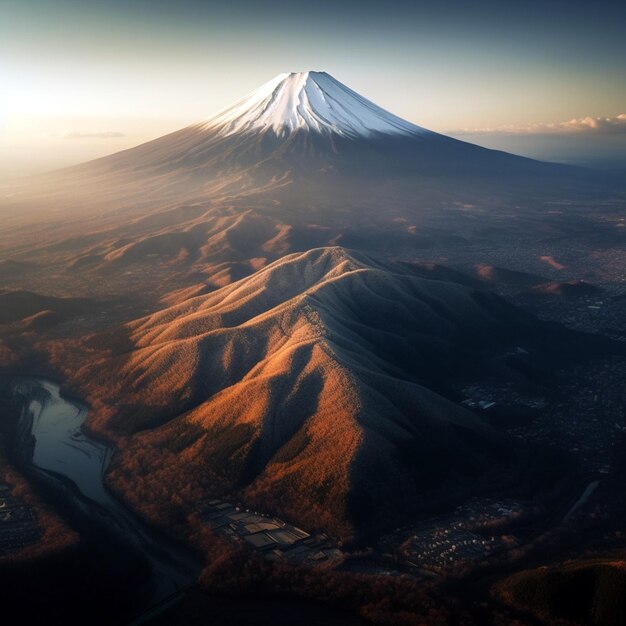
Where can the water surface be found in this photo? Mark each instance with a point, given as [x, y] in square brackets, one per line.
[65, 453]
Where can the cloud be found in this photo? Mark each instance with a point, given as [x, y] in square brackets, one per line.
[599, 124]
[109, 134]
[581, 125]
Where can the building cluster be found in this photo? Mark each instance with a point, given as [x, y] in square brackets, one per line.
[600, 315]
[274, 539]
[18, 524]
[483, 397]
[589, 416]
[438, 548]
[586, 417]
[467, 535]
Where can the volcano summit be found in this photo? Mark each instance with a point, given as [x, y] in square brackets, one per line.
[313, 101]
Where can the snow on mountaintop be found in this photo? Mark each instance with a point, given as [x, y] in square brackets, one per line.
[308, 101]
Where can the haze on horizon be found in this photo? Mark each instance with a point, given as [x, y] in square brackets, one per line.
[85, 79]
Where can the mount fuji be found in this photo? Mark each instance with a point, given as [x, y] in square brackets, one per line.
[302, 162]
[307, 127]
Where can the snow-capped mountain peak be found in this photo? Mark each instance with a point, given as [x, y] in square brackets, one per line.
[312, 101]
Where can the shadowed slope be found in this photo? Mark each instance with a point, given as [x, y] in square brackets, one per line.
[583, 592]
[22, 305]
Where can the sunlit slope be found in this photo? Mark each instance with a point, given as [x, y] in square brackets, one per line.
[313, 386]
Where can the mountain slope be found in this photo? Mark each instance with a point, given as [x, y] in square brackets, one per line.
[313, 388]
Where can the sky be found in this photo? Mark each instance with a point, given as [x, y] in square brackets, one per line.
[81, 78]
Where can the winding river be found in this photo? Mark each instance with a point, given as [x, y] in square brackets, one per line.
[60, 449]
